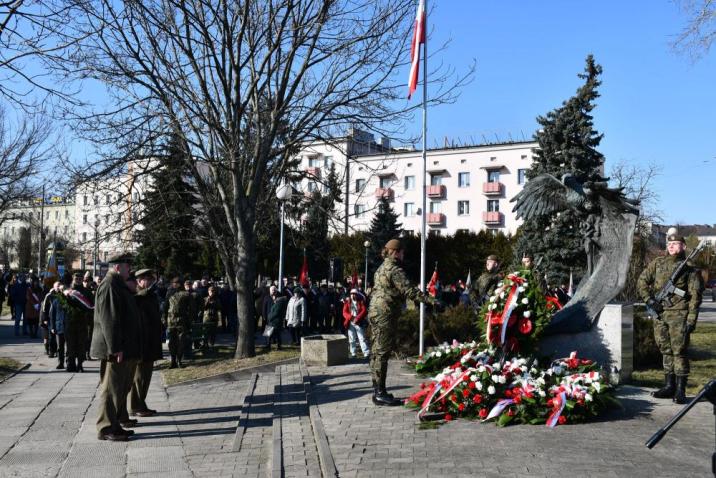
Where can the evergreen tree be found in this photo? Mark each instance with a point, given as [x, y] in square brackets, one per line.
[168, 238]
[383, 228]
[567, 144]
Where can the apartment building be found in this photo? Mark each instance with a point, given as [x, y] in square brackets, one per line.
[468, 188]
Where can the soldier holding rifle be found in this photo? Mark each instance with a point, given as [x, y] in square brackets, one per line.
[672, 290]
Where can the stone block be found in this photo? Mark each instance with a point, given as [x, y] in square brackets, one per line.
[610, 341]
[324, 350]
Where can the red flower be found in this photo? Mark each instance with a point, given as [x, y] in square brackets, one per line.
[573, 363]
[448, 417]
[483, 412]
[550, 403]
[464, 352]
[453, 397]
[465, 392]
[562, 420]
[477, 398]
[422, 385]
[525, 326]
[508, 393]
[580, 402]
[461, 407]
[585, 362]
[510, 413]
[517, 399]
[471, 385]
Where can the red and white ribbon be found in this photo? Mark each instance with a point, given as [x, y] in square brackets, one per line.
[499, 408]
[559, 402]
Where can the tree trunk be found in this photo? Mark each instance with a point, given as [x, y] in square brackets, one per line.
[245, 267]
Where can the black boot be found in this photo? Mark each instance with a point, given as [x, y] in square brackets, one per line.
[383, 399]
[60, 363]
[680, 394]
[71, 366]
[80, 368]
[174, 362]
[667, 391]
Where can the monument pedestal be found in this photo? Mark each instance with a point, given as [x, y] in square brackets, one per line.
[610, 341]
[324, 350]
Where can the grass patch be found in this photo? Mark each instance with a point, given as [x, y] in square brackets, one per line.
[702, 354]
[8, 366]
[221, 360]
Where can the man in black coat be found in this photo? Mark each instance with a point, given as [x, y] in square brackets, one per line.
[151, 341]
[116, 343]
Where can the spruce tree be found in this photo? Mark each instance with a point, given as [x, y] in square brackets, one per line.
[567, 144]
[168, 237]
[383, 227]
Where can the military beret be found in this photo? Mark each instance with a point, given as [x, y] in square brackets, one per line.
[527, 255]
[144, 272]
[121, 258]
[675, 238]
[394, 244]
[492, 257]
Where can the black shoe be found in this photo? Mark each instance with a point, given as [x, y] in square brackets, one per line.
[113, 436]
[80, 368]
[667, 391]
[71, 366]
[384, 399]
[131, 423]
[60, 365]
[680, 394]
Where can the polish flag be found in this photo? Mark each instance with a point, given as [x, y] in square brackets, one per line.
[432, 285]
[418, 38]
[303, 275]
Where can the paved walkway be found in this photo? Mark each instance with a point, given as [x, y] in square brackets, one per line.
[266, 426]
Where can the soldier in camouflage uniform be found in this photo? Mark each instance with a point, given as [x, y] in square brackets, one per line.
[676, 321]
[178, 319]
[387, 300]
[486, 283]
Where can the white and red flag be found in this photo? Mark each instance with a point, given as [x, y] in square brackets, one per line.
[433, 284]
[418, 39]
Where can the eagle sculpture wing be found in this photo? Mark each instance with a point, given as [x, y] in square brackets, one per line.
[542, 195]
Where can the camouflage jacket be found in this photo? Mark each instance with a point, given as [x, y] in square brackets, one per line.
[181, 311]
[483, 286]
[391, 289]
[653, 278]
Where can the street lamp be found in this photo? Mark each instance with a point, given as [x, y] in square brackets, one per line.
[366, 244]
[283, 194]
[39, 236]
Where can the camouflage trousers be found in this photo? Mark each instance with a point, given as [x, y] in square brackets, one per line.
[177, 340]
[382, 340]
[673, 341]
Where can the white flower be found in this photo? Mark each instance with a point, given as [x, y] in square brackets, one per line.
[525, 283]
[502, 295]
[525, 301]
[597, 386]
[541, 393]
[478, 386]
[521, 289]
[492, 306]
[493, 298]
[587, 397]
[495, 378]
[438, 354]
[473, 378]
[491, 390]
[501, 379]
[527, 314]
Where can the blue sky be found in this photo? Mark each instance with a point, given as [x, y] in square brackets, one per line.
[656, 105]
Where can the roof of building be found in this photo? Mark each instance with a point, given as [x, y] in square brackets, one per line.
[690, 229]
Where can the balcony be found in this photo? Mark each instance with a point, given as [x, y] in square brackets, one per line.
[315, 172]
[436, 192]
[435, 219]
[386, 193]
[492, 217]
[492, 189]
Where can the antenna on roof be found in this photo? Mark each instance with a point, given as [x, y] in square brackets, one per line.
[523, 135]
[497, 137]
[472, 141]
[484, 139]
[509, 135]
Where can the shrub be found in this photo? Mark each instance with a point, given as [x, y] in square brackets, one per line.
[455, 323]
[646, 352]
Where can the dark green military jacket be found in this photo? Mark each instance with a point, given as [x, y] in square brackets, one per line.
[390, 291]
[181, 311]
[483, 286]
[116, 320]
[151, 324]
[653, 278]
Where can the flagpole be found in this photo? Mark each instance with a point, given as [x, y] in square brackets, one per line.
[425, 162]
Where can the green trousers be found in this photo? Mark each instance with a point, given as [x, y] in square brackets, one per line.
[113, 395]
[673, 341]
[140, 386]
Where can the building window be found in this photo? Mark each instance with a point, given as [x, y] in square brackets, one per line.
[84, 219]
[107, 199]
[435, 207]
[386, 182]
[493, 205]
[359, 210]
[328, 162]
[311, 186]
[96, 200]
[463, 180]
[84, 237]
[57, 214]
[409, 183]
[136, 197]
[315, 162]
[67, 213]
[64, 230]
[436, 179]
[521, 176]
[409, 209]
[360, 185]
[84, 200]
[493, 176]
[434, 232]
[47, 215]
[463, 208]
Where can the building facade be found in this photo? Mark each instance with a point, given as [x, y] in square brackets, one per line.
[468, 188]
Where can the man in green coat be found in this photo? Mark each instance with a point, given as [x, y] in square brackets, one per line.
[487, 282]
[677, 320]
[115, 342]
[179, 317]
[387, 300]
[151, 339]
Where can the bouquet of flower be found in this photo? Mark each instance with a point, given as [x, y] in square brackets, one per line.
[516, 314]
[516, 391]
[437, 358]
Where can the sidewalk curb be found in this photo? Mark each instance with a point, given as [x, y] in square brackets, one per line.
[235, 375]
[21, 369]
[325, 455]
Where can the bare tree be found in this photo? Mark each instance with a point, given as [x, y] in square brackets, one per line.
[244, 84]
[24, 148]
[698, 35]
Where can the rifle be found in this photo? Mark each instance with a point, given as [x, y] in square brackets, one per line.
[654, 304]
